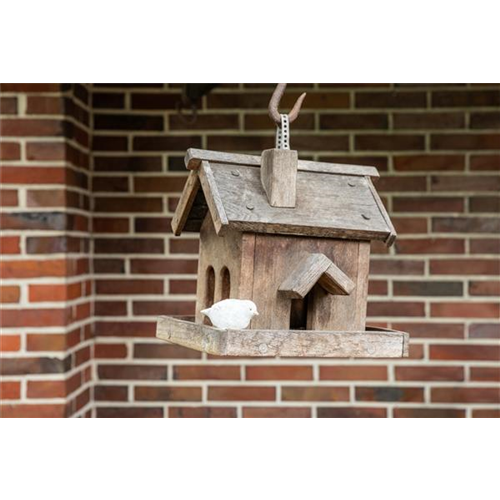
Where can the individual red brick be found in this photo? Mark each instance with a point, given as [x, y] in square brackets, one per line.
[110, 308]
[33, 411]
[377, 161]
[410, 225]
[163, 266]
[465, 352]
[484, 288]
[465, 182]
[24, 127]
[484, 331]
[485, 246]
[184, 246]
[8, 198]
[278, 372]
[465, 98]
[31, 87]
[164, 351]
[430, 373]
[485, 120]
[464, 142]
[206, 372]
[128, 122]
[129, 412]
[276, 420]
[484, 204]
[428, 288]
[109, 143]
[429, 420]
[216, 121]
[465, 395]
[432, 330]
[46, 389]
[9, 294]
[168, 308]
[108, 100]
[390, 99]
[465, 225]
[427, 204]
[390, 394]
[468, 267]
[110, 393]
[485, 162]
[128, 245]
[10, 390]
[485, 373]
[156, 101]
[400, 184]
[132, 372]
[55, 293]
[128, 287]
[34, 317]
[125, 328]
[465, 310]
[153, 225]
[46, 151]
[167, 393]
[204, 419]
[111, 184]
[129, 163]
[486, 420]
[47, 197]
[429, 120]
[109, 266]
[353, 121]
[398, 267]
[314, 393]
[182, 286]
[166, 143]
[398, 309]
[241, 393]
[392, 142]
[110, 351]
[8, 105]
[127, 204]
[46, 342]
[430, 246]
[10, 151]
[33, 175]
[44, 105]
[347, 372]
[110, 225]
[352, 420]
[10, 343]
[377, 287]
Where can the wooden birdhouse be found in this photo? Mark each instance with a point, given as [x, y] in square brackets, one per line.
[294, 237]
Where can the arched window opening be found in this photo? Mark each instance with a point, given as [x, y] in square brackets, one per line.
[209, 291]
[225, 283]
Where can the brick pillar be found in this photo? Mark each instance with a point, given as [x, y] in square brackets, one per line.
[46, 282]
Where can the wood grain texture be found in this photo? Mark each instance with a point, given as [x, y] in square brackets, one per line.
[220, 253]
[276, 255]
[185, 203]
[372, 343]
[278, 175]
[315, 268]
[213, 198]
[392, 235]
[194, 157]
[326, 205]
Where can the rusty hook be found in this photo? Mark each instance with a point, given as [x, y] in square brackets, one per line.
[274, 103]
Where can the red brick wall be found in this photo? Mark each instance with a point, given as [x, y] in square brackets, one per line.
[437, 148]
[46, 314]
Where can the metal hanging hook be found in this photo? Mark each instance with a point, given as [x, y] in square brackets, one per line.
[274, 103]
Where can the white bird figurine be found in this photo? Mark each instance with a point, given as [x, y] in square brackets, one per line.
[234, 314]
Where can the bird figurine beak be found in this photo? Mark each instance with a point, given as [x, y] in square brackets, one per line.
[256, 313]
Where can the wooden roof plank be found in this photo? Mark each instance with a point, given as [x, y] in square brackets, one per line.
[213, 197]
[185, 203]
[194, 158]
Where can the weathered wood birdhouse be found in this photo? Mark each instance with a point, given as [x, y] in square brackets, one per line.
[294, 237]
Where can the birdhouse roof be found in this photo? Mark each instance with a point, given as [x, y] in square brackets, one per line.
[333, 200]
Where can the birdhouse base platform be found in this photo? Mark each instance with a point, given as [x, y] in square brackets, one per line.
[373, 343]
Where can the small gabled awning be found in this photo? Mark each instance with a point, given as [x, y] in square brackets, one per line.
[316, 268]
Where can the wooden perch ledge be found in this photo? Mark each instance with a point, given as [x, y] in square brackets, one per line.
[372, 343]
